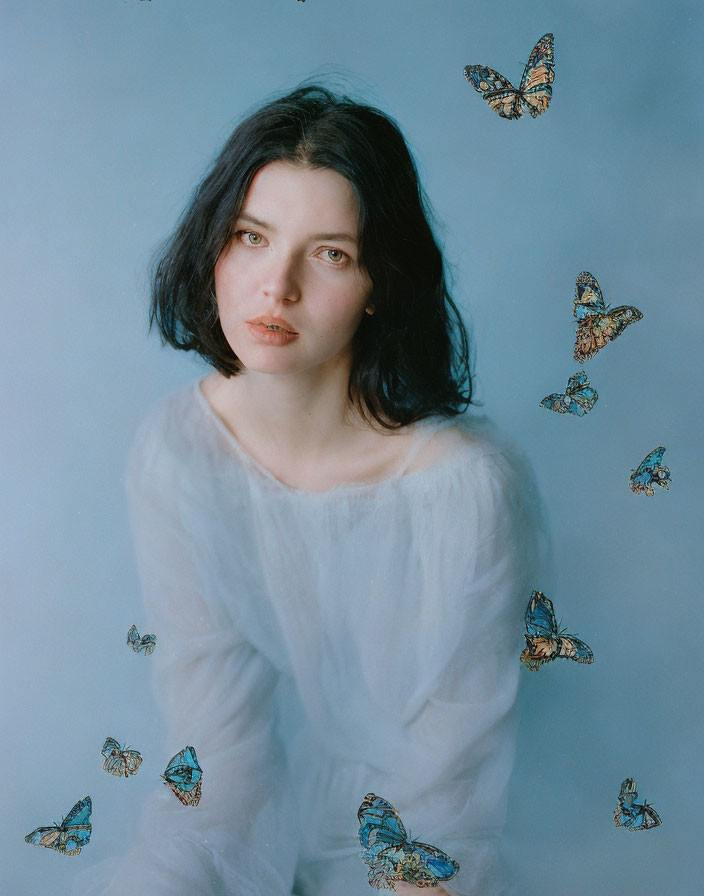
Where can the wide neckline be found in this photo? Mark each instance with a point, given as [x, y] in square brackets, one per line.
[426, 427]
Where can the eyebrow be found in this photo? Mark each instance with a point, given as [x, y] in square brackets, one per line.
[333, 237]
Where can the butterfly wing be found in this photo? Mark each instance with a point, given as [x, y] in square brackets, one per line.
[650, 471]
[538, 651]
[109, 747]
[588, 298]
[68, 837]
[380, 824]
[426, 865]
[148, 643]
[183, 775]
[535, 91]
[133, 760]
[498, 91]
[572, 648]
[583, 395]
[557, 402]
[632, 815]
[596, 330]
[540, 616]
[133, 638]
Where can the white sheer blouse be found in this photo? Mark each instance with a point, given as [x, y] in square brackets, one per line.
[314, 647]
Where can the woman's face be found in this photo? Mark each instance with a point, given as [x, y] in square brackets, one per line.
[294, 256]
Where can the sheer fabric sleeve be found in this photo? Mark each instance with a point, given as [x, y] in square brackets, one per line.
[465, 733]
[215, 691]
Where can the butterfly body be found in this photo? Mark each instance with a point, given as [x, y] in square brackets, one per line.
[578, 399]
[534, 91]
[597, 323]
[147, 643]
[631, 815]
[119, 761]
[71, 835]
[183, 775]
[391, 856]
[650, 471]
[544, 642]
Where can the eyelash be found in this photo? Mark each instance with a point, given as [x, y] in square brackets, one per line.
[335, 264]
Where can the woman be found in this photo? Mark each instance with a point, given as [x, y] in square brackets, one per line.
[335, 565]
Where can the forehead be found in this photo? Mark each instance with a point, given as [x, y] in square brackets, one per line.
[284, 192]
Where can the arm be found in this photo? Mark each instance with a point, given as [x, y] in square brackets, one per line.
[215, 691]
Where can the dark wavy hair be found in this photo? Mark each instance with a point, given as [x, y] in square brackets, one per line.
[411, 357]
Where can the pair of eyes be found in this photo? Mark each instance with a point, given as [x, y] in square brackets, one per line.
[337, 258]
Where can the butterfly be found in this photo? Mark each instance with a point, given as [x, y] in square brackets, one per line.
[391, 855]
[118, 761]
[579, 397]
[651, 471]
[631, 815]
[534, 91]
[147, 643]
[69, 836]
[543, 641]
[596, 324]
[183, 775]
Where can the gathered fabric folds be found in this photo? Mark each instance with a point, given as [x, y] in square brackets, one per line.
[314, 647]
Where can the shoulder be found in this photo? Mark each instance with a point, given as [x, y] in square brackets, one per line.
[164, 440]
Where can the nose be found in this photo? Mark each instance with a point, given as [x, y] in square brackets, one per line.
[280, 280]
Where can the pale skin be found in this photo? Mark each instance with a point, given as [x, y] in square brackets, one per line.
[295, 255]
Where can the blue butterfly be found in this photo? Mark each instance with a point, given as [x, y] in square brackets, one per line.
[120, 761]
[534, 92]
[544, 642]
[631, 815]
[391, 855]
[183, 775]
[147, 643]
[651, 471]
[579, 397]
[69, 836]
[596, 323]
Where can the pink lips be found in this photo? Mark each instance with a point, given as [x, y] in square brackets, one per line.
[276, 321]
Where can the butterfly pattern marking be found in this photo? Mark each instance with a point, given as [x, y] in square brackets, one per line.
[650, 471]
[184, 776]
[631, 815]
[390, 854]
[119, 761]
[596, 324]
[71, 835]
[579, 397]
[147, 643]
[534, 91]
[544, 642]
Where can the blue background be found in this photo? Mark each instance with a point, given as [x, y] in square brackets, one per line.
[112, 112]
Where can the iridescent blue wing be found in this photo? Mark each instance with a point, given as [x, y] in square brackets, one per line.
[109, 747]
[380, 824]
[68, 837]
[632, 815]
[555, 402]
[146, 643]
[588, 298]
[571, 648]
[650, 471]
[426, 866]
[183, 775]
[540, 616]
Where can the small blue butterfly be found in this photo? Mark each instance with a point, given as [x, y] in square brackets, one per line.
[651, 471]
[69, 836]
[631, 815]
[120, 761]
[183, 775]
[544, 642]
[579, 397]
[147, 643]
[391, 855]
